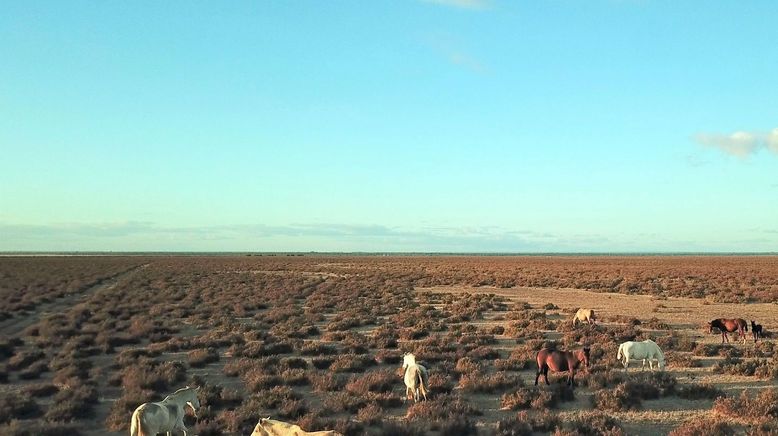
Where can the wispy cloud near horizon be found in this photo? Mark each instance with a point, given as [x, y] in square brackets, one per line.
[147, 236]
[137, 236]
[740, 144]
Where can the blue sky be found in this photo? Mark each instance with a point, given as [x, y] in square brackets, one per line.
[404, 125]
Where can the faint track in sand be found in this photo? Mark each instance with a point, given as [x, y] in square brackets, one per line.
[15, 325]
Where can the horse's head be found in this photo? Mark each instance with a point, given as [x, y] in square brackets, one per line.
[585, 356]
[193, 401]
[408, 359]
[260, 430]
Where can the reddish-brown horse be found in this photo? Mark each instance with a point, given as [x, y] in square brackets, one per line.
[559, 361]
[726, 325]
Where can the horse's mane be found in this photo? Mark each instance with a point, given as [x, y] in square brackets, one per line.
[186, 388]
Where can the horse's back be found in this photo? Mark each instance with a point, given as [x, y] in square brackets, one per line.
[554, 359]
[584, 314]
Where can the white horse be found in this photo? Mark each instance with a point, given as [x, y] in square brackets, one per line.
[584, 315]
[165, 416]
[270, 427]
[646, 350]
[416, 378]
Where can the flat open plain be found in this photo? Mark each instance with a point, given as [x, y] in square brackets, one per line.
[318, 340]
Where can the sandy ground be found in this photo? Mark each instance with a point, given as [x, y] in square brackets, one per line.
[686, 315]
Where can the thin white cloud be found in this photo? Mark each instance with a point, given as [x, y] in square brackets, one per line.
[145, 236]
[772, 141]
[453, 51]
[462, 59]
[463, 4]
[740, 144]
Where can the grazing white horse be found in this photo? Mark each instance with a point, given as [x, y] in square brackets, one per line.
[270, 427]
[416, 378]
[165, 416]
[646, 350]
[584, 315]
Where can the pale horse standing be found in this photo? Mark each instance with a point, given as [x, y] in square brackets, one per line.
[270, 427]
[584, 315]
[165, 416]
[416, 378]
[646, 350]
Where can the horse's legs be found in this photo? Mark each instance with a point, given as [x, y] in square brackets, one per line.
[545, 374]
[540, 371]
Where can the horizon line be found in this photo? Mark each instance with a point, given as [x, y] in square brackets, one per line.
[10, 253]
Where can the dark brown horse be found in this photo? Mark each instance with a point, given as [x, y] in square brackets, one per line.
[559, 361]
[756, 329]
[728, 326]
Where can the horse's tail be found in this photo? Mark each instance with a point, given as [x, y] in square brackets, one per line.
[575, 319]
[422, 383]
[136, 425]
[621, 352]
[745, 326]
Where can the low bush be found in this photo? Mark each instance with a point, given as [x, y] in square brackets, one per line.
[696, 391]
[527, 424]
[202, 356]
[376, 381]
[24, 359]
[593, 423]
[534, 397]
[703, 425]
[38, 428]
[351, 363]
[441, 408]
[759, 407]
[17, 406]
[371, 414]
[41, 390]
[488, 383]
[324, 382]
[71, 404]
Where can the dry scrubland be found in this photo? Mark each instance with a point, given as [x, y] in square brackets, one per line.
[318, 341]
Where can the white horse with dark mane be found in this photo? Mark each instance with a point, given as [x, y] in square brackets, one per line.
[416, 378]
[645, 350]
[165, 416]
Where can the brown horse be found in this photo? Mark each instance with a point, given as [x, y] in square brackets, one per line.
[559, 361]
[756, 329]
[728, 326]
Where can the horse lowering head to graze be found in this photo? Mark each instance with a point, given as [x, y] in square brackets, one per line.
[756, 330]
[584, 315]
[164, 416]
[729, 325]
[560, 361]
[416, 378]
[645, 350]
[271, 427]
